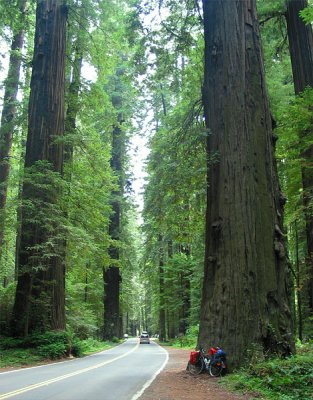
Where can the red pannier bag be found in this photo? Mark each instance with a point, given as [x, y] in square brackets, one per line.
[212, 351]
[194, 357]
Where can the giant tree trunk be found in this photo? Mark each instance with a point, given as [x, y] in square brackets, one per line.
[72, 100]
[112, 280]
[162, 318]
[72, 108]
[39, 301]
[184, 313]
[300, 45]
[301, 52]
[112, 277]
[246, 296]
[7, 117]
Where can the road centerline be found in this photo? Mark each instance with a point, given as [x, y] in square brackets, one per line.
[62, 377]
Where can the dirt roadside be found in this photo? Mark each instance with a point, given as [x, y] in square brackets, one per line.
[175, 383]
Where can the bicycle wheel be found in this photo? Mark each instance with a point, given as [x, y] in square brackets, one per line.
[215, 368]
[196, 369]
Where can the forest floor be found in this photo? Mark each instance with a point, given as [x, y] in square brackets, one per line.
[176, 383]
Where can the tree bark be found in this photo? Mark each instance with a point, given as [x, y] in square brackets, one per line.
[301, 52]
[72, 108]
[8, 114]
[73, 104]
[300, 45]
[111, 303]
[246, 297]
[40, 298]
[112, 277]
[298, 282]
[162, 319]
[185, 293]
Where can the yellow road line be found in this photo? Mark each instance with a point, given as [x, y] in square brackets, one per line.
[60, 378]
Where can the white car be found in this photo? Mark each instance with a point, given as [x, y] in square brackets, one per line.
[144, 338]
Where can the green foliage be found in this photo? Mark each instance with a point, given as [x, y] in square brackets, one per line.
[176, 184]
[6, 306]
[81, 319]
[133, 300]
[295, 138]
[18, 357]
[92, 179]
[43, 213]
[188, 341]
[293, 118]
[50, 345]
[287, 379]
[270, 9]
[307, 14]
[11, 343]
[52, 351]
[90, 345]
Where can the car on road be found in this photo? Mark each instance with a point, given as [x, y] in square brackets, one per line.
[144, 338]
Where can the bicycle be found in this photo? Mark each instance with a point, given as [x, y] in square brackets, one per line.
[215, 366]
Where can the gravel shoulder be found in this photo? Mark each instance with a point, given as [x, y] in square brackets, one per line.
[176, 383]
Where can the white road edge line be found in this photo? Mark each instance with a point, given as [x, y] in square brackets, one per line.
[148, 383]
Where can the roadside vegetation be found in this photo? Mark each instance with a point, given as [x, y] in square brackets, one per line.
[41, 348]
[284, 379]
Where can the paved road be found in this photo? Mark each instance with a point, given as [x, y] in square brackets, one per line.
[120, 373]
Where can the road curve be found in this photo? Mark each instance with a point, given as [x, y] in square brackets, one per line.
[120, 373]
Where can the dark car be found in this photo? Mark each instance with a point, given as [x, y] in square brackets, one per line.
[144, 338]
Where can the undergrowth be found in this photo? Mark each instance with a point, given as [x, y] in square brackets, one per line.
[279, 379]
[188, 341]
[37, 348]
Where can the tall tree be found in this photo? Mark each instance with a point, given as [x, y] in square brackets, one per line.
[185, 293]
[40, 300]
[112, 277]
[162, 318]
[300, 37]
[9, 112]
[246, 295]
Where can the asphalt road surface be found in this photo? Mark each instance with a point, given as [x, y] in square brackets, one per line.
[121, 373]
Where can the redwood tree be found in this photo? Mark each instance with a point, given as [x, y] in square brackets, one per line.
[162, 317]
[9, 112]
[112, 277]
[246, 300]
[300, 38]
[39, 301]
